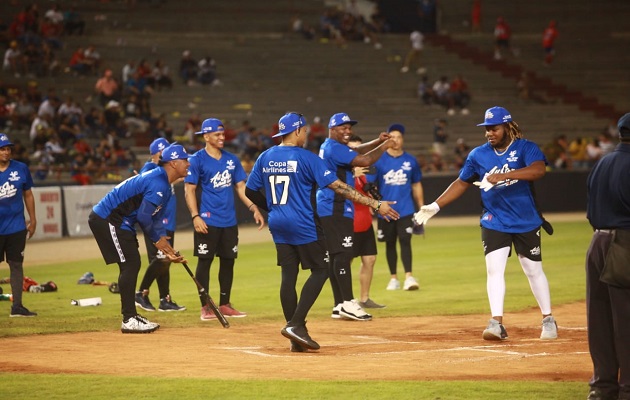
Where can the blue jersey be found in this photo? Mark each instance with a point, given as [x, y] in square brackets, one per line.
[216, 178]
[120, 206]
[290, 176]
[338, 158]
[13, 182]
[394, 177]
[509, 206]
[171, 208]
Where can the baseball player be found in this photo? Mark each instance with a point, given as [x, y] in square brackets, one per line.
[15, 192]
[504, 169]
[141, 199]
[288, 174]
[337, 212]
[218, 172]
[398, 177]
[159, 265]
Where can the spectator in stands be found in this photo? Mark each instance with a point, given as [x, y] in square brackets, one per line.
[425, 90]
[33, 61]
[14, 60]
[20, 152]
[73, 22]
[436, 164]
[114, 125]
[193, 124]
[93, 58]
[207, 71]
[55, 148]
[95, 123]
[107, 88]
[605, 142]
[5, 113]
[78, 64]
[440, 91]
[127, 70]
[55, 15]
[80, 169]
[255, 144]
[68, 130]
[459, 95]
[159, 128]
[49, 107]
[414, 55]
[50, 63]
[440, 135]
[137, 85]
[133, 116]
[51, 33]
[557, 153]
[23, 113]
[70, 108]
[549, 37]
[475, 17]
[188, 68]
[39, 128]
[316, 135]
[144, 69]
[82, 146]
[461, 153]
[502, 37]
[160, 76]
[578, 153]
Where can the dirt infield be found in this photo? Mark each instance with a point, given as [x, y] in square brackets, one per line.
[410, 348]
[419, 348]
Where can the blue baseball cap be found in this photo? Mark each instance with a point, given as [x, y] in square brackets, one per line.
[496, 116]
[158, 145]
[174, 152]
[340, 119]
[210, 125]
[396, 127]
[290, 122]
[4, 141]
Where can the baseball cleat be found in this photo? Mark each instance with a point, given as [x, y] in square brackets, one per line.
[299, 333]
[549, 328]
[352, 310]
[494, 331]
[138, 324]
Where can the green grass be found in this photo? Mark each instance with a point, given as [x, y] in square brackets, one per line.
[448, 263]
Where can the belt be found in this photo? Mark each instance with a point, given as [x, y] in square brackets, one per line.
[608, 231]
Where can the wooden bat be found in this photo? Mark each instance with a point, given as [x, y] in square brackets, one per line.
[206, 300]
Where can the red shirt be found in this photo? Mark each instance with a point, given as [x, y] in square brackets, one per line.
[549, 35]
[362, 214]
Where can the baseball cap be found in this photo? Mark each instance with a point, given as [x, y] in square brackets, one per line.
[396, 127]
[4, 141]
[496, 116]
[340, 119]
[174, 152]
[624, 126]
[210, 125]
[158, 145]
[290, 122]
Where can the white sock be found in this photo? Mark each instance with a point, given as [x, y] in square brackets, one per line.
[495, 268]
[538, 282]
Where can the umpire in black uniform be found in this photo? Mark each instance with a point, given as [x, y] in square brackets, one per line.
[608, 271]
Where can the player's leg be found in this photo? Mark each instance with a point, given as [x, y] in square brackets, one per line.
[497, 246]
[13, 246]
[404, 227]
[227, 250]
[528, 248]
[155, 263]
[387, 233]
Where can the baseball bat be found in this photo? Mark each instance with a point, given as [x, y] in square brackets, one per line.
[206, 300]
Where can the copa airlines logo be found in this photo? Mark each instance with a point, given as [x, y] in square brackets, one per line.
[395, 178]
[7, 191]
[230, 165]
[221, 180]
[280, 167]
[14, 176]
[512, 156]
[292, 166]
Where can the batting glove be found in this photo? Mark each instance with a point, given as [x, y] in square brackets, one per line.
[484, 184]
[425, 213]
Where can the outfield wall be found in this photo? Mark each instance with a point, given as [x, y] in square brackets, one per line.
[63, 210]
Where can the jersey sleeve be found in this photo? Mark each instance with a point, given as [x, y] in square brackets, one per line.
[532, 153]
[469, 173]
[193, 171]
[254, 181]
[239, 172]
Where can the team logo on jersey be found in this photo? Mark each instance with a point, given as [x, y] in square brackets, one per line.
[160, 255]
[202, 248]
[7, 190]
[292, 166]
[164, 221]
[221, 179]
[347, 241]
[327, 173]
[14, 176]
[205, 214]
[503, 170]
[395, 178]
[406, 166]
[160, 194]
[535, 251]
[230, 165]
[512, 156]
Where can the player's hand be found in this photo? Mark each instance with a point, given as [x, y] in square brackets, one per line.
[425, 213]
[260, 220]
[383, 136]
[30, 227]
[360, 171]
[387, 212]
[484, 184]
[176, 258]
[200, 225]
